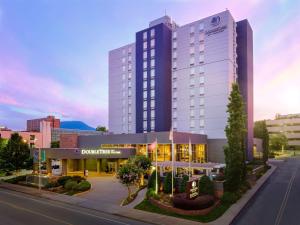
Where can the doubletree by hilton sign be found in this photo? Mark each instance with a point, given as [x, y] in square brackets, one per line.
[100, 152]
[192, 190]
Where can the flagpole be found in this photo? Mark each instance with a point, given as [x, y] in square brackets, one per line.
[190, 154]
[172, 146]
[156, 185]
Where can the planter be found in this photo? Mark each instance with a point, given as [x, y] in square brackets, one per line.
[219, 188]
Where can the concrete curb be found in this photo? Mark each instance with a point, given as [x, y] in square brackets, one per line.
[235, 209]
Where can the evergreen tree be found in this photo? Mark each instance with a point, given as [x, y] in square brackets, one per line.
[235, 151]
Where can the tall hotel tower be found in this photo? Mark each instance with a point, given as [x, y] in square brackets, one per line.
[180, 77]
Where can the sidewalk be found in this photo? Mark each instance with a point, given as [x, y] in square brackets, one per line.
[131, 213]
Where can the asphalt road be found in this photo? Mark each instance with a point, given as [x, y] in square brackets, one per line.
[278, 202]
[17, 208]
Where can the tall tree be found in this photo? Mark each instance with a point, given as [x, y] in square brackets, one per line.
[16, 154]
[278, 141]
[235, 151]
[261, 131]
[101, 128]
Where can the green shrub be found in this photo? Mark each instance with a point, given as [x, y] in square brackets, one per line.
[229, 198]
[52, 184]
[206, 186]
[70, 184]
[182, 183]
[168, 183]
[151, 194]
[78, 179]
[152, 180]
[63, 180]
[16, 180]
[82, 186]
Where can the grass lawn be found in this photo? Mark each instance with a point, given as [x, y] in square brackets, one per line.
[213, 215]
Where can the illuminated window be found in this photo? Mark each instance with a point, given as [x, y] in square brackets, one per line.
[201, 101]
[145, 84]
[201, 26]
[152, 32]
[152, 63]
[145, 35]
[152, 52]
[145, 74]
[145, 45]
[145, 55]
[152, 43]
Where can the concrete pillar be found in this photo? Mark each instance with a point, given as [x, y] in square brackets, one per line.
[64, 167]
[98, 166]
[160, 171]
[48, 166]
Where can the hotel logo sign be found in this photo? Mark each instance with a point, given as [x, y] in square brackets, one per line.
[100, 152]
[215, 21]
[192, 189]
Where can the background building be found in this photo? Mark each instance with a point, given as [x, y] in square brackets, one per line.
[182, 78]
[34, 125]
[289, 125]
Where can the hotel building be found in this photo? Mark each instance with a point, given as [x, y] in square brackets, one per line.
[289, 125]
[180, 77]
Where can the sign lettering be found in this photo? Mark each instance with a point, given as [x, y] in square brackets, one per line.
[100, 152]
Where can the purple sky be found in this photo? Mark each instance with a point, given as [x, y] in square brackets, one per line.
[54, 54]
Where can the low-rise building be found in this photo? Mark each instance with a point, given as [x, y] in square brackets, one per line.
[289, 125]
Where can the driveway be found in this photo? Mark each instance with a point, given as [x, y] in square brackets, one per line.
[106, 190]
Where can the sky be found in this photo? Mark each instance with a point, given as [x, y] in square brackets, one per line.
[54, 53]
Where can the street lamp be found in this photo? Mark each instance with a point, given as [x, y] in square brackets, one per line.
[39, 165]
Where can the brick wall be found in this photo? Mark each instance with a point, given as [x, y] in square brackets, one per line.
[68, 140]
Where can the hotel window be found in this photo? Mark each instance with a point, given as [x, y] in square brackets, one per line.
[123, 51]
[152, 104]
[152, 93]
[174, 65]
[145, 85]
[174, 35]
[174, 44]
[145, 115]
[174, 54]
[192, 81]
[123, 85]
[192, 102]
[152, 73]
[201, 69]
[201, 58]
[201, 47]
[201, 101]
[201, 37]
[192, 61]
[129, 58]
[152, 114]
[123, 68]
[152, 53]
[145, 94]
[129, 92]
[129, 109]
[124, 119]
[174, 94]
[201, 79]
[192, 29]
[192, 50]
[201, 123]
[152, 83]
[192, 92]
[152, 32]
[201, 112]
[145, 125]
[145, 105]
[129, 67]
[192, 123]
[152, 125]
[129, 128]
[174, 104]
[129, 50]
[201, 26]
[145, 45]
[129, 101]
[175, 124]
[174, 84]
[124, 93]
[129, 83]
[129, 75]
[174, 114]
[123, 76]
[192, 112]
[145, 74]
[201, 131]
[174, 75]
[145, 35]
[145, 65]
[144, 55]
[152, 63]
[123, 60]
[201, 90]
[192, 72]
[152, 43]
[124, 110]
[192, 40]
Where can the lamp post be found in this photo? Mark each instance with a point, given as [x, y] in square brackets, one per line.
[39, 165]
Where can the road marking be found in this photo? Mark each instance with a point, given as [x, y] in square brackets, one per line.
[73, 210]
[33, 212]
[285, 199]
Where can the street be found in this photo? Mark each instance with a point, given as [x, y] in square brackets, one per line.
[278, 202]
[17, 208]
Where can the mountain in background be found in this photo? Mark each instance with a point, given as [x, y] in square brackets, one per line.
[75, 125]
